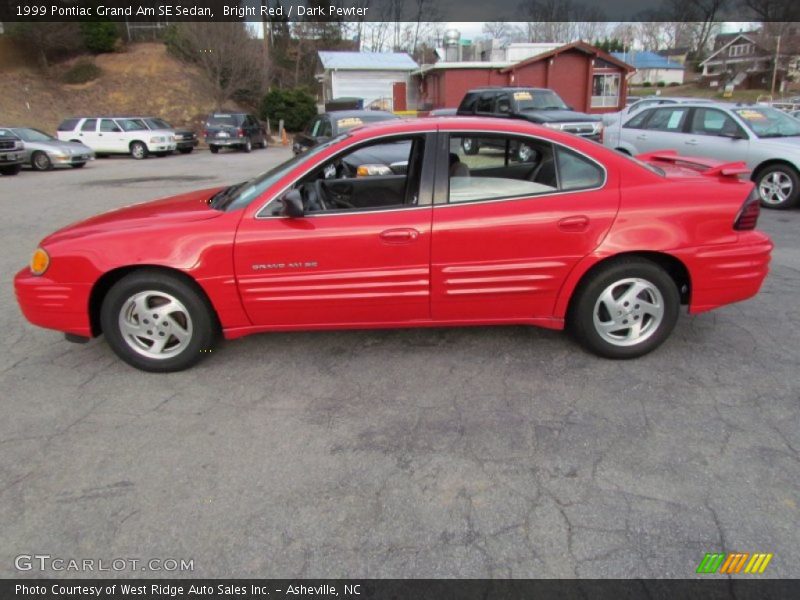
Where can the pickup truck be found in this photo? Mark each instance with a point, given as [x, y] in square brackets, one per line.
[537, 105]
[11, 153]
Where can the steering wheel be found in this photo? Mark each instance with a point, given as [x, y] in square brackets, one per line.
[328, 199]
[312, 198]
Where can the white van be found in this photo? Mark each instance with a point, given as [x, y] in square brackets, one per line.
[117, 135]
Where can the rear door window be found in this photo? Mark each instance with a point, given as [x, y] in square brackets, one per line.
[667, 119]
[486, 103]
[576, 172]
[108, 125]
[89, 125]
[68, 124]
[710, 121]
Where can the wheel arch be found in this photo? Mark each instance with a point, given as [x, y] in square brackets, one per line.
[770, 163]
[673, 266]
[106, 281]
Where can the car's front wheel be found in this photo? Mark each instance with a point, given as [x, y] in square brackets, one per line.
[10, 170]
[158, 322]
[138, 150]
[213, 149]
[625, 309]
[778, 186]
[41, 162]
[78, 165]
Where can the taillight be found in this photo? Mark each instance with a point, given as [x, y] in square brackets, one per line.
[241, 133]
[748, 214]
[205, 133]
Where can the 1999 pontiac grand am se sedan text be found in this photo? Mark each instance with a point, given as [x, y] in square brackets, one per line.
[574, 235]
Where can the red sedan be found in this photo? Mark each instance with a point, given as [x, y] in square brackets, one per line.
[415, 232]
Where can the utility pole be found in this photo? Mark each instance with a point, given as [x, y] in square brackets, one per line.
[775, 66]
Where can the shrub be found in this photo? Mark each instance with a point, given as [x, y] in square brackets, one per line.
[295, 106]
[647, 84]
[99, 36]
[661, 83]
[673, 84]
[81, 72]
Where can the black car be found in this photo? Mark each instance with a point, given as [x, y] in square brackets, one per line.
[537, 105]
[185, 138]
[12, 152]
[234, 130]
[330, 124]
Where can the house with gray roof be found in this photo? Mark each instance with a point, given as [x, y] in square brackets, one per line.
[376, 77]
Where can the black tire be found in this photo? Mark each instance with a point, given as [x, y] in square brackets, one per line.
[524, 153]
[204, 324]
[581, 316]
[470, 146]
[213, 149]
[247, 147]
[185, 150]
[773, 178]
[161, 154]
[11, 169]
[40, 161]
[78, 165]
[263, 144]
[139, 150]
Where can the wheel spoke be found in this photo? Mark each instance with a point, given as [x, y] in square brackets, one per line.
[158, 344]
[155, 324]
[629, 296]
[181, 334]
[635, 330]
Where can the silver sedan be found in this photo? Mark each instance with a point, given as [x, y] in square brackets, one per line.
[766, 139]
[43, 151]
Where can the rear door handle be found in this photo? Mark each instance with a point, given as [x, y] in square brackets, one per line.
[577, 223]
[691, 142]
[641, 137]
[399, 236]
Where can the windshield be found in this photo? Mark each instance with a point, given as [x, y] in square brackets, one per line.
[539, 100]
[157, 124]
[33, 135]
[242, 194]
[8, 133]
[768, 122]
[131, 124]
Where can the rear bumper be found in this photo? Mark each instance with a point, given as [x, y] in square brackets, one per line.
[59, 306]
[187, 143]
[729, 272]
[229, 141]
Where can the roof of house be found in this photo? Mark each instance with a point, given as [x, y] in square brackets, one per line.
[579, 45]
[748, 37]
[364, 61]
[647, 60]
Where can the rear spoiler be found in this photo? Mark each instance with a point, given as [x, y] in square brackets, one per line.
[707, 166]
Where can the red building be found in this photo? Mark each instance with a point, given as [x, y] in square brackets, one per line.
[587, 78]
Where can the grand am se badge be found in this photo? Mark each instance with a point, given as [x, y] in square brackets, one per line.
[290, 265]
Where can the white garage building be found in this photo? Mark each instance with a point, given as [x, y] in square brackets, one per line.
[367, 75]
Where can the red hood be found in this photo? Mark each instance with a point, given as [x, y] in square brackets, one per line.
[192, 206]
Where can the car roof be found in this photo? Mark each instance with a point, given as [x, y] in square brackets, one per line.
[681, 99]
[507, 88]
[344, 114]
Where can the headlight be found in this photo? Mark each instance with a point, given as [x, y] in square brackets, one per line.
[60, 153]
[370, 170]
[553, 125]
[157, 140]
[40, 261]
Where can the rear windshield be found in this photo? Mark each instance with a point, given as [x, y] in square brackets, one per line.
[224, 119]
[68, 124]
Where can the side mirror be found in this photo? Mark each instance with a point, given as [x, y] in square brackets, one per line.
[293, 204]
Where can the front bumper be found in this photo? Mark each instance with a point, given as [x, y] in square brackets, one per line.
[60, 306]
[192, 143]
[74, 159]
[10, 158]
[165, 147]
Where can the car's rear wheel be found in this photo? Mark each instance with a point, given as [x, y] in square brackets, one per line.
[469, 145]
[625, 309]
[40, 161]
[778, 186]
[213, 149]
[138, 150]
[248, 145]
[11, 169]
[158, 322]
[78, 165]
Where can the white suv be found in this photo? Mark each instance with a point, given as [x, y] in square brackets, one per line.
[117, 135]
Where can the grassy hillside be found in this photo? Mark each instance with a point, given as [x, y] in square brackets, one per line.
[142, 80]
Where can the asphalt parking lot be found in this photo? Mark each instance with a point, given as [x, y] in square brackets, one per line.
[482, 452]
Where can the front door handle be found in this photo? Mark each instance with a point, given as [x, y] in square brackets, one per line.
[576, 224]
[399, 236]
[641, 137]
[691, 142]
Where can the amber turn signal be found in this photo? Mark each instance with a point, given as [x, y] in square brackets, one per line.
[39, 262]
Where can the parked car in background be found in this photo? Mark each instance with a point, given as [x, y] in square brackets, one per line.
[442, 112]
[117, 135]
[43, 151]
[234, 130]
[11, 153]
[795, 114]
[578, 236]
[649, 102]
[536, 105]
[185, 138]
[765, 138]
[330, 124]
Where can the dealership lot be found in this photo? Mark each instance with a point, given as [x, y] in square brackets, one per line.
[502, 452]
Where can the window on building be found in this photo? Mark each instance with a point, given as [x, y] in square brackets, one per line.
[605, 90]
[740, 50]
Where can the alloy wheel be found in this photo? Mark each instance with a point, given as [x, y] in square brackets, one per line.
[628, 312]
[775, 188]
[155, 324]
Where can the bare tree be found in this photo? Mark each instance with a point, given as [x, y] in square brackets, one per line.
[48, 39]
[497, 30]
[230, 60]
[701, 17]
[559, 20]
